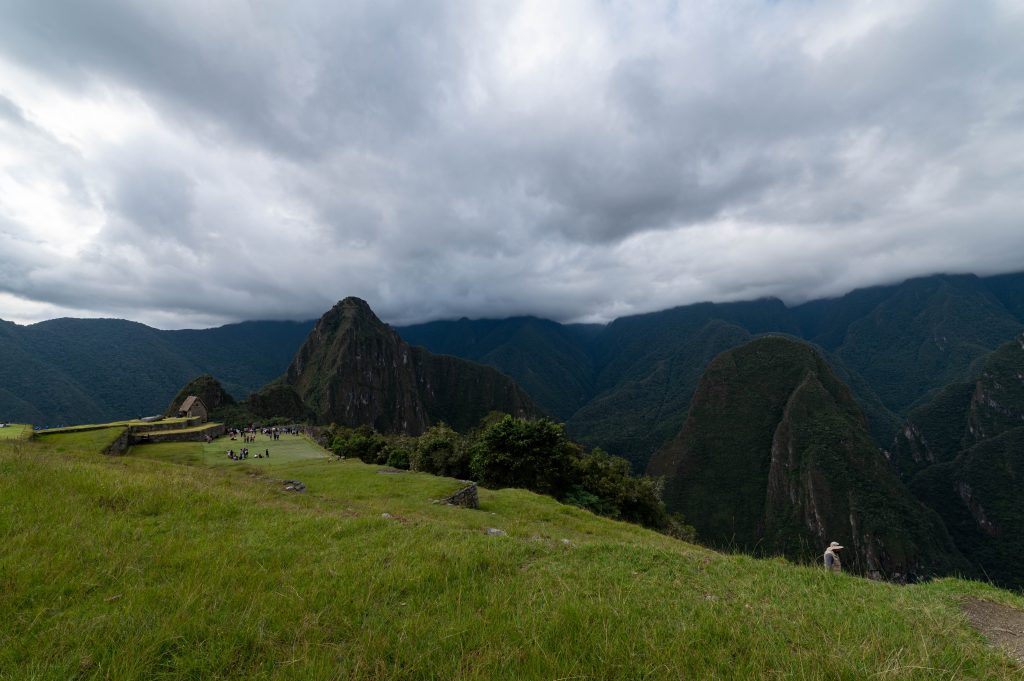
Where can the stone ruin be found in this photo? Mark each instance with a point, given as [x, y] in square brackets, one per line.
[466, 497]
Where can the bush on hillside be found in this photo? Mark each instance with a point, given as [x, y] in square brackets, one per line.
[362, 443]
[607, 479]
[399, 451]
[534, 455]
[442, 451]
[530, 454]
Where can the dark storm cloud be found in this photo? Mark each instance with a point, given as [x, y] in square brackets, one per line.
[185, 163]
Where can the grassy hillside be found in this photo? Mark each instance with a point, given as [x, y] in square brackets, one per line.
[175, 563]
[15, 431]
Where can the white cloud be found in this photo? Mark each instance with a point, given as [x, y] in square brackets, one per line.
[181, 163]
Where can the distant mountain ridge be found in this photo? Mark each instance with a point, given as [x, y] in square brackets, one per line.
[626, 386]
[67, 371]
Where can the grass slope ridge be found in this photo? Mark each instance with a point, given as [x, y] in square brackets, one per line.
[153, 569]
[775, 458]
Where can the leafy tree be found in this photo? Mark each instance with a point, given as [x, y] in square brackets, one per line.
[534, 455]
[606, 479]
[363, 443]
[442, 451]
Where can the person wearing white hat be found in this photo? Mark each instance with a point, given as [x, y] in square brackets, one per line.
[832, 562]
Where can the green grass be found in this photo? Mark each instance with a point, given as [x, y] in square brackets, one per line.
[89, 440]
[96, 426]
[175, 563]
[15, 431]
[289, 450]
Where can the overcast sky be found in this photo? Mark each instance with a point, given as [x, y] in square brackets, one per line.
[187, 164]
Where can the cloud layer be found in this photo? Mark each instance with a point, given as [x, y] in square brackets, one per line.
[188, 163]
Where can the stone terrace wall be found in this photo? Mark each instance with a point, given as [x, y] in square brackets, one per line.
[198, 435]
[119, 445]
[157, 426]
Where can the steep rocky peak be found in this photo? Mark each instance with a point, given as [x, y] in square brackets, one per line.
[348, 313]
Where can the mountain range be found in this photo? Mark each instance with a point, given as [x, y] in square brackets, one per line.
[70, 371]
[626, 386]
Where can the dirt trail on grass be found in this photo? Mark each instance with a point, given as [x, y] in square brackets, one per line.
[1001, 624]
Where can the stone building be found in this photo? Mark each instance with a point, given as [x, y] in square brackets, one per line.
[193, 406]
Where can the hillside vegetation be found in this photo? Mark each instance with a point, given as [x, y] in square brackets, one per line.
[68, 371]
[176, 563]
[963, 455]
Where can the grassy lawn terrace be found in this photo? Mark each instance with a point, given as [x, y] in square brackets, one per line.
[15, 431]
[76, 440]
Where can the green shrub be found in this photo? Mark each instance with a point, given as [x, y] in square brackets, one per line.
[442, 451]
[397, 456]
[362, 443]
[534, 455]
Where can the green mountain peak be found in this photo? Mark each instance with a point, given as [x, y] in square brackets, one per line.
[775, 458]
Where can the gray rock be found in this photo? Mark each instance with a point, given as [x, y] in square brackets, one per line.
[495, 532]
[466, 497]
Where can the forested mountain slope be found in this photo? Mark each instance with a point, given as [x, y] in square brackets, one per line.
[775, 458]
[626, 386]
[67, 371]
[963, 455]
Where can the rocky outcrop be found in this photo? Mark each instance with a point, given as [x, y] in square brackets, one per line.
[775, 459]
[355, 370]
[467, 497]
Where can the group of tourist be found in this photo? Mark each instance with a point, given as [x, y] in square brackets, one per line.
[243, 453]
[248, 434]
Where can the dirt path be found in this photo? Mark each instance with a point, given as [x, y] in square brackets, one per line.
[1001, 624]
